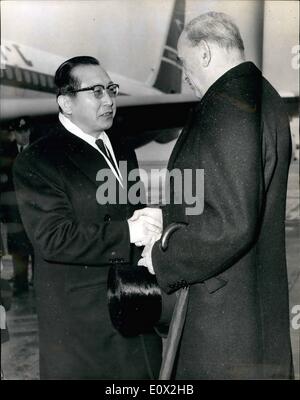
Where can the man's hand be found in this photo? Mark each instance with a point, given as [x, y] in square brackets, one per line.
[146, 259]
[154, 213]
[143, 230]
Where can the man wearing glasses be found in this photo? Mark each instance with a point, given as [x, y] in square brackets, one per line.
[76, 239]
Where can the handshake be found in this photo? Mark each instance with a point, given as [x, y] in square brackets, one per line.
[145, 226]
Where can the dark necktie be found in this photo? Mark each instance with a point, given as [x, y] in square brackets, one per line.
[21, 149]
[100, 145]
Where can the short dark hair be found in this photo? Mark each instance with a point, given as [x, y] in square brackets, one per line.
[64, 79]
[216, 27]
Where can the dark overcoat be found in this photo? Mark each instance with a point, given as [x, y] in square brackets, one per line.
[76, 240]
[237, 326]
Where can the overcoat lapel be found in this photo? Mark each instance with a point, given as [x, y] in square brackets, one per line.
[181, 140]
[85, 157]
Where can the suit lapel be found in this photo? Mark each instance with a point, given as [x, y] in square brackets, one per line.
[181, 140]
[87, 159]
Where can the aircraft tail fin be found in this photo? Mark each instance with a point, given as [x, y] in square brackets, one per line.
[169, 75]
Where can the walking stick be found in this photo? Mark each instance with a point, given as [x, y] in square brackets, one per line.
[178, 317]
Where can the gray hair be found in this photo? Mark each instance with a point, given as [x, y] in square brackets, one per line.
[214, 27]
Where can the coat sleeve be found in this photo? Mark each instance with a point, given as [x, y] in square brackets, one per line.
[52, 226]
[132, 163]
[228, 148]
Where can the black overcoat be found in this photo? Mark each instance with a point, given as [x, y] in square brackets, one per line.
[237, 327]
[75, 241]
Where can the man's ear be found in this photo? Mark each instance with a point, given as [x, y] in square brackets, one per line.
[205, 53]
[65, 104]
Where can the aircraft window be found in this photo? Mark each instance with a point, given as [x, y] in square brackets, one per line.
[9, 73]
[35, 78]
[27, 76]
[18, 74]
[43, 80]
[50, 81]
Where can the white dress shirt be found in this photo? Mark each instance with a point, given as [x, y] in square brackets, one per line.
[23, 147]
[72, 128]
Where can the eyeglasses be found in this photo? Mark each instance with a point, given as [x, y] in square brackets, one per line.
[112, 90]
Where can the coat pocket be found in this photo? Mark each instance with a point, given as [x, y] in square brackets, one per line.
[214, 284]
[85, 278]
[92, 286]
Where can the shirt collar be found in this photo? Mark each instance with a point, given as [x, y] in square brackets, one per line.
[91, 140]
[22, 145]
[72, 128]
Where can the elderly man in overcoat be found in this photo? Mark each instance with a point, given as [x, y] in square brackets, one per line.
[232, 255]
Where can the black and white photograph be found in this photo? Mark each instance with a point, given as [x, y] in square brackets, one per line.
[149, 210]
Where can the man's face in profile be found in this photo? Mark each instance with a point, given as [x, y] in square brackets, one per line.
[190, 59]
[89, 113]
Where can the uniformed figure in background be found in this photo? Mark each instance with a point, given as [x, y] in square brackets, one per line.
[18, 244]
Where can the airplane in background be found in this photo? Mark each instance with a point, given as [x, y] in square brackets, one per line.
[27, 75]
[156, 108]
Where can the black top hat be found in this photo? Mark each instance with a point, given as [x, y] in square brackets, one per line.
[135, 301]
